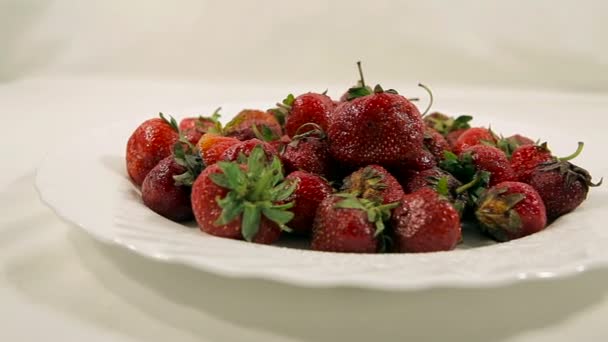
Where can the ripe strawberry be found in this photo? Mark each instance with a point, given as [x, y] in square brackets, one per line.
[345, 223]
[562, 186]
[244, 148]
[213, 145]
[150, 143]
[446, 124]
[425, 222]
[243, 201]
[375, 183]
[421, 160]
[193, 128]
[242, 126]
[379, 127]
[310, 191]
[280, 144]
[453, 136]
[435, 143]
[526, 158]
[511, 210]
[479, 158]
[309, 152]
[161, 194]
[306, 108]
[443, 183]
[472, 137]
[520, 140]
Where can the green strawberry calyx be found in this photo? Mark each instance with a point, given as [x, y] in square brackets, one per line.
[367, 183]
[256, 189]
[446, 124]
[376, 214]
[497, 215]
[282, 109]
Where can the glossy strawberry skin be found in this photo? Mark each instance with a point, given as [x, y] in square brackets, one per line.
[310, 191]
[492, 160]
[390, 190]
[424, 222]
[280, 144]
[425, 179]
[381, 128]
[342, 230]
[245, 147]
[473, 136]
[435, 143]
[241, 126]
[309, 107]
[206, 211]
[160, 193]
[193, 128]
[212, 147]
[150, 143]
[526, 158]
[309, 154]
[531, 211]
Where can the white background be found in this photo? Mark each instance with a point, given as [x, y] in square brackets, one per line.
[69, 65]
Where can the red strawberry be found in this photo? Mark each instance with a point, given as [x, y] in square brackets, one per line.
[310, 191]
[242, 126]
[213, 145]
[245, 148]
[453, 136]
[421, 160]
[243, 201]
[511, 210]
[435, 143]
[562, 186]
[160, 192]
[472, 137]
[479, 158]
[309, 152]
[526, 158]
[446, 124]
[308, 108]
[375, 128]
[375, 183]
[150, 143]
[425, 222]
[344, 223]
[520, 140]
[281, 143]
[193, 128]
[444, 184]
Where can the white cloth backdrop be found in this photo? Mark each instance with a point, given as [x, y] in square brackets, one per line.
[556, 44]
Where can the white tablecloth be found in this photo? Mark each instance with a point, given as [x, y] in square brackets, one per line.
[58, 284]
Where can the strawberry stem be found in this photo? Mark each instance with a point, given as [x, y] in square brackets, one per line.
[428, 90]
[361, 74]
[469, 185]
[578, 151]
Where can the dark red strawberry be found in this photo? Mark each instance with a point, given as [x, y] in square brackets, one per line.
[308, 108]
[242, 126]
[373, 182]
[420, 161]
[245, 201]
[479, 158]
[453, 136]
[309, 152]
[511, 210]
[526, 158]
[562, 186]
[379, 127]
[280, 144]
[212, 146]
[441, 182]
[193, 128]
[310, 191]
[472, 137]
[244, 148]
[435, 143]
[160, 192]
[345, 223]
[150, 143]
[425, 222]
[520, 140]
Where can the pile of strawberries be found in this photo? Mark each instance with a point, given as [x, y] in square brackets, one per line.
[364, 174]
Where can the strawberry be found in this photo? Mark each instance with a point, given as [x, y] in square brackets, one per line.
[562, 185]
[421, 160]
[246, 201]
[479, 158]
[435, 143]
[472, 137]
[520, 140]
[306, 108]
[453, 136]
[160, 193]
[309, 151]
[526, 158]
[193, 128]
[375, 183]
[280, 144]
[345, 223]
[150, 143]
[242, 125]
[244, 148]
[446, 124]
[213, 145]
[379, 127]
[511, 210]
[423, 222]
[442, 182]
[310, 191]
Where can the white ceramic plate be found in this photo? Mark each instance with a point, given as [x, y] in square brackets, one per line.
[85, 182]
